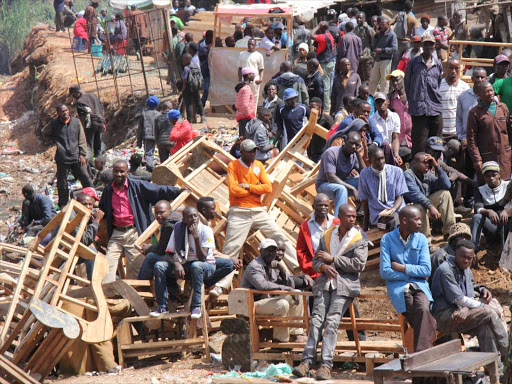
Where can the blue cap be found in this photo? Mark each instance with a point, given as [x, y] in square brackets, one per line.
[153, 101]
[173, 114]
[290, 93]
[435, 143]
[277, 25]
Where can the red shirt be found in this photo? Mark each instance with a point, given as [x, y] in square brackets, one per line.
[121, 209]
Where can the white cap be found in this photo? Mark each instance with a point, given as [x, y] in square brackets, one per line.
[267, 243]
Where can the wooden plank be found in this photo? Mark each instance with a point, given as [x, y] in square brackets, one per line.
[161, 344]
[432, 354]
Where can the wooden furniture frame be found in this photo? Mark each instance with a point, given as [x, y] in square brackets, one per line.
[130, 345]
[47, 274]
[369, 352]
[445, 361]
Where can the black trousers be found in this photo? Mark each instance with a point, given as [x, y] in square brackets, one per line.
[419, 317]
[191, 100]
[93, 138]
[424, 127]
[241, 127]
[79, 171]
[164, 151]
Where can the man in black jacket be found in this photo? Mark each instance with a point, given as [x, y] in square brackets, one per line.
[127, 204]
[154, 264]
[68, 135]
[92, 116]
[37, 211]
[163, 127]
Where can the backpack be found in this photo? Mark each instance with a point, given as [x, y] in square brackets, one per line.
[401, 25]
[195, 79]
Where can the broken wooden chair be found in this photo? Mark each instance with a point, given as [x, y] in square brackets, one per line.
[241, 303]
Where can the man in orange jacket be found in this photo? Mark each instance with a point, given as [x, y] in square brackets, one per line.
[248, 182]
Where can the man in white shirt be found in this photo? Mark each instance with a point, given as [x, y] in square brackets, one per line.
[269, 41]
[190, 251]
[424, 28]
[252, 59]
[388, 124]
[451, 88]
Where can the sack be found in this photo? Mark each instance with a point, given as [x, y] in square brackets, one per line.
[195, 79]
[401, 25]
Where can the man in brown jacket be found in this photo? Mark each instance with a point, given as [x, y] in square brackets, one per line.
[138, 24]
[488, 132]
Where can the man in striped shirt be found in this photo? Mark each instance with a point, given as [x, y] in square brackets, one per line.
[451, 88]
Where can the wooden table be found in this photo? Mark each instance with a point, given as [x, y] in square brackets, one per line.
[444, 360]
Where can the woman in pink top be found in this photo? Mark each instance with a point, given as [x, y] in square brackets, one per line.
[400, 106]
[245, 100]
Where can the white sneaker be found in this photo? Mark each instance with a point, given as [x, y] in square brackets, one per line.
[158, 312]
[196, 313]
[216, 291]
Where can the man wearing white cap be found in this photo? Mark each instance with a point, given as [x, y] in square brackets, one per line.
[261, 274]
[253, 59]
[490, 215]
[248, 182]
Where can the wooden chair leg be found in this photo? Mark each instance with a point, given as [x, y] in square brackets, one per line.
[205, 327]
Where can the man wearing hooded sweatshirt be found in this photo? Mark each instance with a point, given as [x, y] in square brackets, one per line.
[291, 118]
[163, 127]
[245, 106]
[258, 130]
[287, 79]
[146, 130]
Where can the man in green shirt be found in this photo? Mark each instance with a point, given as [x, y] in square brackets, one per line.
[503, 89]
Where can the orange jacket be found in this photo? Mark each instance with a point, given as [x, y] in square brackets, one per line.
[255, 176]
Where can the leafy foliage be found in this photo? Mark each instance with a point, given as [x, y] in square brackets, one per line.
[19, 16]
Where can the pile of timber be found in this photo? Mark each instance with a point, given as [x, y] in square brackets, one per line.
[36, 332]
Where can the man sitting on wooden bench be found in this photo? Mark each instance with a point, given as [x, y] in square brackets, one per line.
[263, 275]
[405, 265]
[191, 249]
[340, 257]
[456, 309]
[154, 264]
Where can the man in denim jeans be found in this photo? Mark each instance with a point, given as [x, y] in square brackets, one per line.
[154, 264]
[191, 249]
[339, 170]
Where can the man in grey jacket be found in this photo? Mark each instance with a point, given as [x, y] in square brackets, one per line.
[340, 258]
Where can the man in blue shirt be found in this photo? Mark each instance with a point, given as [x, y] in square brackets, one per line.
[405, 265]
[456, 309]
[339, 170]
[290, 118]
[381, 188]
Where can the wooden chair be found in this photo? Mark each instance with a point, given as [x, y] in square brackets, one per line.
[177, 333]
[241, 303]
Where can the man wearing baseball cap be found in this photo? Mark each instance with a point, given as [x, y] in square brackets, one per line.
[438, 151]
[262, 274]
[503, 86]
[248, 183]
[490, 215]
[290, 118]
[501, 67]
[388, 124]
[422, 86]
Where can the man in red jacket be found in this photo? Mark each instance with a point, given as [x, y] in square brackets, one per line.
[311, 231]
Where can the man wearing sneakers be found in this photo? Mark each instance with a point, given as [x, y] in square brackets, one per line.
[191, 249]
[340, 258]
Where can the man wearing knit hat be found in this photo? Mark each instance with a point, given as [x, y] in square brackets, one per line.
[490, 216]
[458, 231]
[146, 130]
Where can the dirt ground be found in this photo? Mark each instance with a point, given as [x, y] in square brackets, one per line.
[21, 115]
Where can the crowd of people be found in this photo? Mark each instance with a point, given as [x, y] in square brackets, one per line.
[411, 150]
